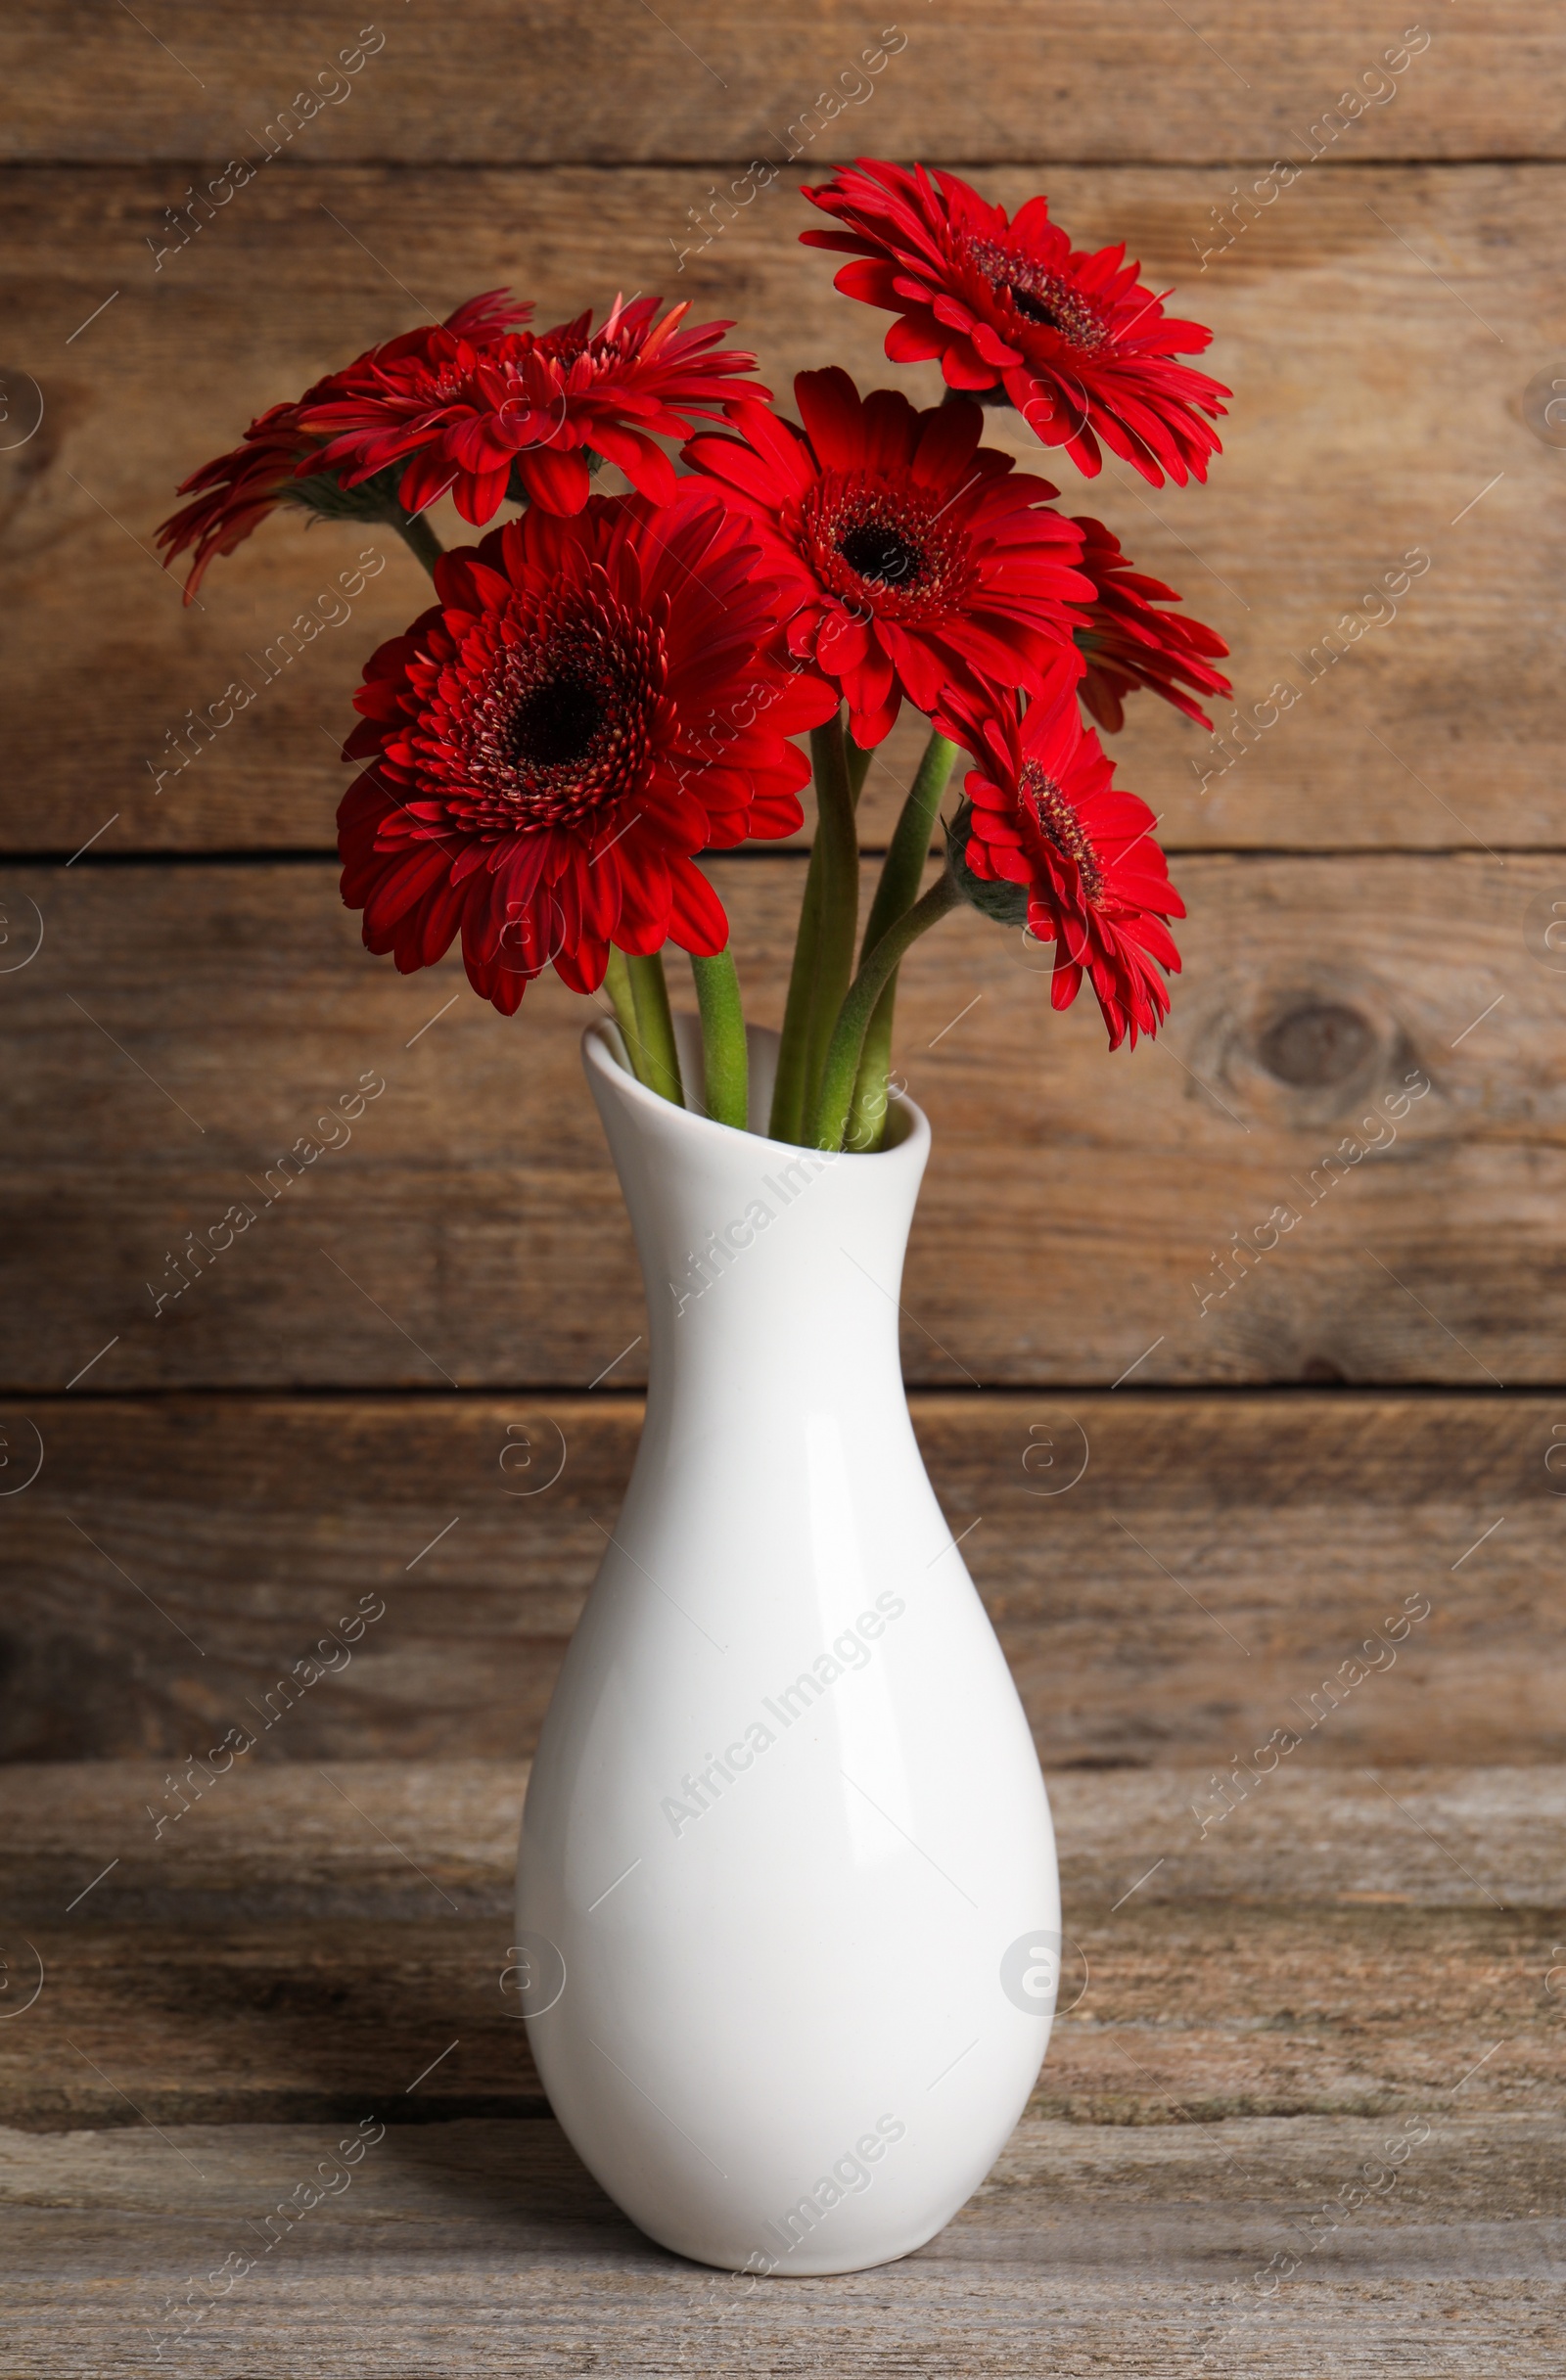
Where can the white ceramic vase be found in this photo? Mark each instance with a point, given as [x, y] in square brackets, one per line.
[787, 1896]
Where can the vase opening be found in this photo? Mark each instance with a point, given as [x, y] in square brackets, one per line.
[762, 1043]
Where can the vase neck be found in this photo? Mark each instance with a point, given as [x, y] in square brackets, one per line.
[770, 1270]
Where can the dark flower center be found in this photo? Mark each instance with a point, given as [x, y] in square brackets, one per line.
[886, 546]
[546, 719]
[876, 552]
[1034, 309]
[555, 723]
[1059, 823]
[1047, 300]
[435, 379]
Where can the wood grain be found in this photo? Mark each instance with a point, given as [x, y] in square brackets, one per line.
[1231, 2067]
[1172, 1577]
[288, 2024]
[471, 1231]
[1281, 2012]
[518, 84]
[1379, 328]
[188, 1985]
[483, 2248]
[402, 1841]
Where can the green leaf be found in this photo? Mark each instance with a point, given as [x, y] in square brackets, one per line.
[1006, 903]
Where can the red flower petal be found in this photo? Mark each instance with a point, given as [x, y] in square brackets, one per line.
[592, 699]
[1083, 349]
[468, 401]
[1045, 813]
[234, 493]
[698, 922]
[910, 556]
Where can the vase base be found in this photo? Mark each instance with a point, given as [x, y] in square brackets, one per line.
[799, 2265]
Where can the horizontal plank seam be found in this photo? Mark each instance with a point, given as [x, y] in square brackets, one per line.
[289, 855]
[1237, 1393]
[761, 854]
[303, 170]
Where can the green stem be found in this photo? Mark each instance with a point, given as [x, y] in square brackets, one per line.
[867, 1114]
[848, 1041]
[787, 1121]
[837, 841]
[902, 869]
[656, 1027]
[899, 888]
[616, 983]
[725, 1058]
[420, 539]
[791, 1088]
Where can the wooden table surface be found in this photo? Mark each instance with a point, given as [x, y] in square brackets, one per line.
[1302, 2116]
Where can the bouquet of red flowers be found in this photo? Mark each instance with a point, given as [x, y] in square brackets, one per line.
[608, 686]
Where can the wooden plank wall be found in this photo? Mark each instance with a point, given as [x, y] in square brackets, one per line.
[1375, 1416]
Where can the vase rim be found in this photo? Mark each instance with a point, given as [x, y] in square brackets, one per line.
[602, 1045]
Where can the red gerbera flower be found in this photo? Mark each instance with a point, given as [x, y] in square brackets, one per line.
[465, 418]
[913, 561]
[237, 490]
[1082, 349]
[1127, 643]
[1047, 815]
[586, 706]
